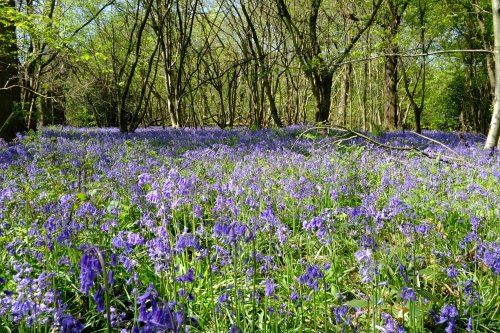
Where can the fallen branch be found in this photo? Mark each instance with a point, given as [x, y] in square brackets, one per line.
[434, 156]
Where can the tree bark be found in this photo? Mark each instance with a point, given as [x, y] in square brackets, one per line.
[345, 87]
[390, 91]
[490, 65]
[494, 131]
[391, 65]
[322, 91]
[11, 118]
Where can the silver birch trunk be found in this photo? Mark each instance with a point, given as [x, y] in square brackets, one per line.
[494, 131]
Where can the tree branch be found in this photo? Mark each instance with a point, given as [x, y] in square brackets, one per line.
[412, 55]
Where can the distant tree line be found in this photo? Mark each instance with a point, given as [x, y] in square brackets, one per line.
[365, 64]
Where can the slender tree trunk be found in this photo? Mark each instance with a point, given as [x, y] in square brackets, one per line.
[395, 12]
[390, 91]
[123, 118]
[172, 103]
[494, 131]
[345, 87]
[490, 64]
[11, 118]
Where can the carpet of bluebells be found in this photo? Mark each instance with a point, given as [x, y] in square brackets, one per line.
[248, 231]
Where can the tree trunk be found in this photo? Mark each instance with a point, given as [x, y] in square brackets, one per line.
[52, 108]
[395, 12]
[490, 65]
[345, 87]
[322, 91]
[172, 102]
[390, 91]
[307, 47]
[494, 131]
[11, 118]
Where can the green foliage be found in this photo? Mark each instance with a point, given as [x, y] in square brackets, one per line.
[452, 97]
[377, 130]
[446, 94]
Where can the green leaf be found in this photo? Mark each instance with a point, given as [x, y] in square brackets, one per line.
[429, 271]
[358, 303]
[81, 196]
[427, 294]
[310, 136]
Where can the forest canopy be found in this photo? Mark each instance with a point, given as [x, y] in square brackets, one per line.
[369, 65]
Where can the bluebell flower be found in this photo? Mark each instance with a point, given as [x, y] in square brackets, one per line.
[452, 272]
[111, 278]
[223, 301]
[389, 323]
[469, 325]
[188, 277]
[270, 287]
[64, 261]
[491, 257]
[99, 299]
[403, 273]
[186, 240]
[128, 263]
[448, 315]
[197, 211]
[311, 277]
[70, 325]
[407, 294]
[340, 313]
[471, 293]
[153, 197]
[363, 255]
[235, 329]
[90, 267]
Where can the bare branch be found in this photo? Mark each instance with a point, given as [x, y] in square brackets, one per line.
[412, 55]
[92, 18]
[434, 156]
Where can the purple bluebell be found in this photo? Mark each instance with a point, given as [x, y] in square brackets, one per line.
[403, 273]
[99, 299]
[448, 315]
[186, 278]
[311, 277]
[70, 325]
[389, 323]
[452, 273]
[270, 287]
[90, 268]
[235, 329]
[186, 240]
[469, 325]
[340, 313]
[407, 294]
